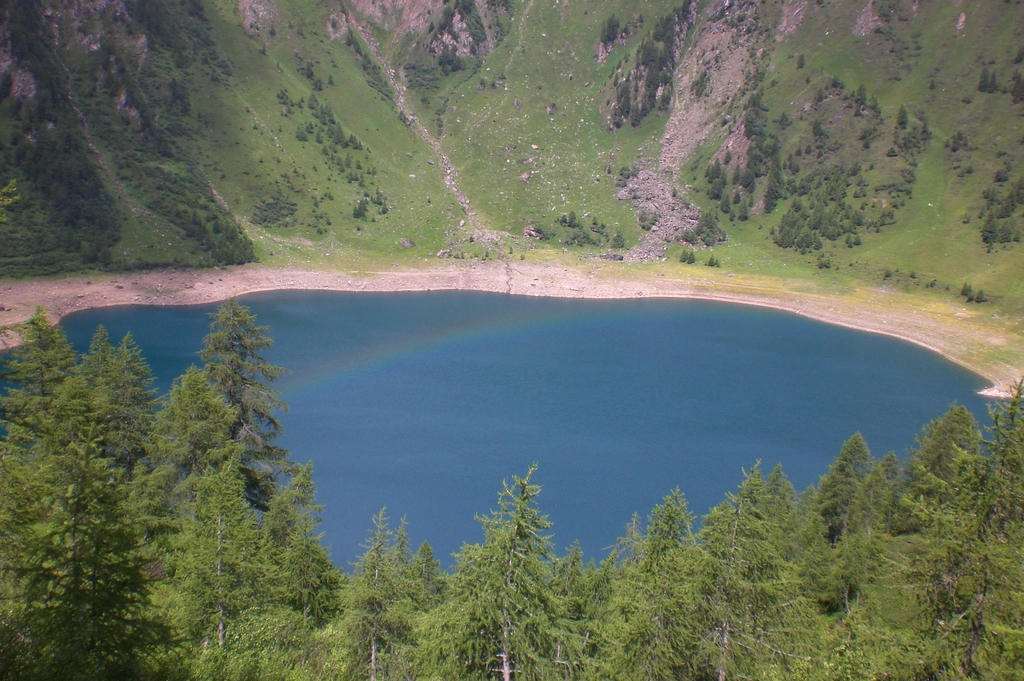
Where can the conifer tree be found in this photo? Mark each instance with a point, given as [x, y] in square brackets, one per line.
[379, 606]
[875, 503]
[122, 392]
[500, 617]
[35, 368]
[931, 465]
[426, 571]
[221, 568]
[781, 504]
[970, 581]
[654, 606]
[84, 576]
[838, 489]
[193, 432]
[582, 593]
[745, 608]
[902, 117]
[234, 363]
[308, 580]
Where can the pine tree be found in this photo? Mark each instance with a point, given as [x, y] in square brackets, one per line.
[122, 391]
[500, 617]
[379, 606]
[876, 502]
[1017, 91]
[35, 368]
[776, 187]
[983, 80]
[931, 467]
[193, 432]
[654, 603]
[426, 571]
[970, 580]
[84, 576]
[232, 352]
[838, 489]
[308, 580]
[745, 608]
[902, 117]
[220, 568]
[582, 592]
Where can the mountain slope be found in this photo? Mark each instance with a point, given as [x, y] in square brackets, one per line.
[847, 142]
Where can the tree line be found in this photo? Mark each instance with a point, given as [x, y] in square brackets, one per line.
[171, 538]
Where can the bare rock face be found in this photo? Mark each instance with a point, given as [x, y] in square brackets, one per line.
[23, 84]
[406, 243]
[457, 39]
[257, 15]
[337, 25]
[401, 16]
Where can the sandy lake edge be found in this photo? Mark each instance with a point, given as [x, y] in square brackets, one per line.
[943, 329]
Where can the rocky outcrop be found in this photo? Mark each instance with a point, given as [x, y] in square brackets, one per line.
[655, 199]
[23, 84]
[400, 16]
[257, 15]
[456, 38]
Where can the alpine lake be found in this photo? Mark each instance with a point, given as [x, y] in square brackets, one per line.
[424, 402]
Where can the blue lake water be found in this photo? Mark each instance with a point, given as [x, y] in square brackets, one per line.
[424, 402]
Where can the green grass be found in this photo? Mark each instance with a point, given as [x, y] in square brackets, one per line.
[237, 133]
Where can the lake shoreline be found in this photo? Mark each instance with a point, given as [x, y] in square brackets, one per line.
[952, 334]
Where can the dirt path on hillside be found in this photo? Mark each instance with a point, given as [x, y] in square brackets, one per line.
[942, 328]
[451, 175]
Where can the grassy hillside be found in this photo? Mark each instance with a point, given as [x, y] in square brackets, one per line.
[847, 143]
[891, 168]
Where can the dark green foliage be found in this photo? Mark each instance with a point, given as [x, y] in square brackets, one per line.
[219, 568]
[707, 230]
[75, 205]
[124, 399]
[273, 212]
[820, 211]
[637, 94]
[653, 608]
[360, 209]
[381, 602]
[237, 369]
[838, 489]
[84, 575]
[500, 614]
[931, 468]
[988, 82]
[1017, 90]
[308, 580]
[742, 589]
[65, 202]
[610, 30]
[965, 583]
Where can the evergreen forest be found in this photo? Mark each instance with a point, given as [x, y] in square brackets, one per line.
[170, 538]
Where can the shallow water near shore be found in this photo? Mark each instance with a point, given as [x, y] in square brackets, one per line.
[424, 402]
